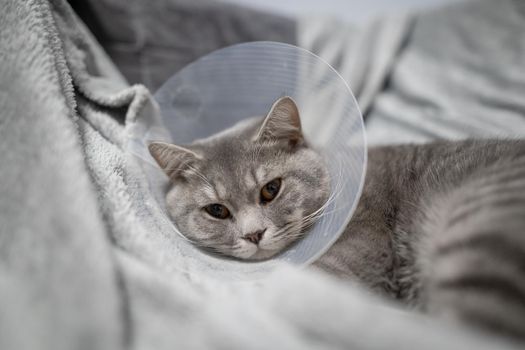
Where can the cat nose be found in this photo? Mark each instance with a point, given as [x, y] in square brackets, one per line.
[255, 237]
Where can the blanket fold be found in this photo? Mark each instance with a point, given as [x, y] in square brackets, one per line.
[88, 259]
[451, 73]
[56, 263]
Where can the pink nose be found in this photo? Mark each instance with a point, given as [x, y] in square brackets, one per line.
[255, 237]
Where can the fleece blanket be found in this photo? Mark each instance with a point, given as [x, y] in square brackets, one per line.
[86, 260]
[450, 73]
[150, 40]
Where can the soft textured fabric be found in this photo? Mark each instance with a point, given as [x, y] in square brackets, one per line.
[151, 40]
[86, 258]
[59, 287]
[451, 73]
[364, 56]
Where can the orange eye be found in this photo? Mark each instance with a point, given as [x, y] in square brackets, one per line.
[218, 211]
[270, 190]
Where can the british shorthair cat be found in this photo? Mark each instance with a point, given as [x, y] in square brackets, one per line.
[440, 226]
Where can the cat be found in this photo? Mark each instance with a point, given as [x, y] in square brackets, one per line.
[440, 226]
[246, 192]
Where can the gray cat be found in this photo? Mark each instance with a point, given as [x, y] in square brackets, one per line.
[247, 192]
[440, 226]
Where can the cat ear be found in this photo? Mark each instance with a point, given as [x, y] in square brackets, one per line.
[282, 123]
[172, 159]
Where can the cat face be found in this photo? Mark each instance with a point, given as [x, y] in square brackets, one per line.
[247, 192]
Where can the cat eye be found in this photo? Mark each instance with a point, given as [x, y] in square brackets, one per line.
[270, 190]
[218, 211]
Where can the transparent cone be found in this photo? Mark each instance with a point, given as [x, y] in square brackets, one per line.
[243, 81]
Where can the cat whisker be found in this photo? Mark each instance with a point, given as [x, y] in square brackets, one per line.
[297, 227]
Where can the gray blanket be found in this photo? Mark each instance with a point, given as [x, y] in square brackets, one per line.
[86, 259]
[451, 73]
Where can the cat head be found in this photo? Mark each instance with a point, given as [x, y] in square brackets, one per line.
[249, 191]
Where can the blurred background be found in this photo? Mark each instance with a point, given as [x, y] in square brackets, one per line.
[149, 41]
[420, 70]
[345, 10]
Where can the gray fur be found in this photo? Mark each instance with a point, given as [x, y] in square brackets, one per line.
[440, 227]
[230, 168]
